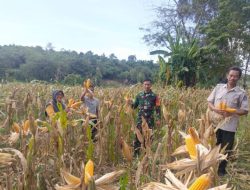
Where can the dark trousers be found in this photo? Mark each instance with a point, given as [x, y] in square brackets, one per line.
[93, 129]
[225, 138]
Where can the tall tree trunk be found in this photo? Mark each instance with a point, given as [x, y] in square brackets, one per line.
[245, 74]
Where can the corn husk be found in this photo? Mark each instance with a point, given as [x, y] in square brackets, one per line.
[69, 178]
[126, 150]
[109, 178]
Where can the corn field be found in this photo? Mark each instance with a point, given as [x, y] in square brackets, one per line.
[37, 153]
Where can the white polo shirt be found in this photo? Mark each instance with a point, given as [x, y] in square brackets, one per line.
[92, 104]
[234, 98]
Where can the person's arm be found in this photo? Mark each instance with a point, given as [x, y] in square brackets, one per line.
[158, 110]
[97, 109]
[83, 94]
[213, 108]
[243, 106]
[211, 100]
[49, 111]
[135, 104]
[241, 112]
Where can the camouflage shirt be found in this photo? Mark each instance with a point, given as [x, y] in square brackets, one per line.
[147, 102]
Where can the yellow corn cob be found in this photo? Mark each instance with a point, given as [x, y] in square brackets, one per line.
[191, 147]
[230, 110]
[201, 183]
[194, 135]
[15, 127]
[222, 105]
[50, 110]
[71, 101]
[88, 83]
[89, 171]
[76, 105]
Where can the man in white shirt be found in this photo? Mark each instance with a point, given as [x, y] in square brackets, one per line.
[234, 97]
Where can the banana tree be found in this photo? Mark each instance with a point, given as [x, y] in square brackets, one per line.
[183, 60]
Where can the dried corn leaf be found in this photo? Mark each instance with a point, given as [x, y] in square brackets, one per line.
[172, 180]
[19, 155]
[70, 179]
[180, 150]
[107, 187]
[157, 186]
[180, 164]
[109, 178]
[67, 187]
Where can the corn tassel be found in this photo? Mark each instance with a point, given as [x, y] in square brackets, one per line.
[201, 183]
[89, 171]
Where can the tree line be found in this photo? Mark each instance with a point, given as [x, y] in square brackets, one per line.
[197, 40]
[23, 63]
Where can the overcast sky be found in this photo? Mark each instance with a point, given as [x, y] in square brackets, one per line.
[102, 26]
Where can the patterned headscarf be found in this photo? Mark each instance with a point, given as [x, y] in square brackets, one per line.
[54, 101]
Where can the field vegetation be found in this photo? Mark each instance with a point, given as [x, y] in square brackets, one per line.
[40, 154]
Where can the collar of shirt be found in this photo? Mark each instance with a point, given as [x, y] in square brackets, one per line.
[147, 92]
[236, 88]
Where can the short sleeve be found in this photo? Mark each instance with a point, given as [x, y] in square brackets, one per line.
[244, 103]
[211, 97]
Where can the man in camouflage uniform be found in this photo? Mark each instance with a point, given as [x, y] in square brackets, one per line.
[147, 102]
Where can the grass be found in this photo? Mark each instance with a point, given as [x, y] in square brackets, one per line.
[239, 167]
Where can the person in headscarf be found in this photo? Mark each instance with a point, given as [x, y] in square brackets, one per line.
[56, 104]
